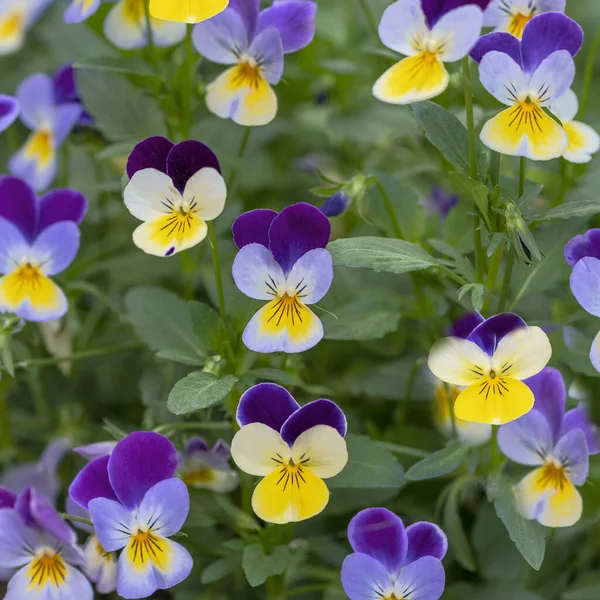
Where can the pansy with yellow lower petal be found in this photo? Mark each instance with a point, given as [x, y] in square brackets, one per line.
[529, 76]
[512, 15]
[175, 190]
[283, 259]
[292, 448]
[16, 18]
[554, 443]
[187, 11]
[429, 33]
[136, 505]
[254, 43]
[491, 363]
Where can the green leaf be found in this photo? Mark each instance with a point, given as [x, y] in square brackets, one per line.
[181, 356]
[439, 463]
[489, 591]
[478, 292]
[116, 64]
[587, 588]
[198, 390]
[259, 566]
[570, 210]
[461, 264]
[220, 568]
[380, 255]
[161, 320]
[528, 536]
[208, 326]
[369, 466]
[474, 191]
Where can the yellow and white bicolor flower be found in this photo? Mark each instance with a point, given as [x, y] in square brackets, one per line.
[428, 41]
[584, 141]
[100, 566]
[16, 17]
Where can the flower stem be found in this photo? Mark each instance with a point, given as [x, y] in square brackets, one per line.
[184, 425]
[5, 436]
[186, 88]
[151, 45]
[240, 154]
[390, 211]
[522, 168]
[217, 266]
[490, 282]
[370, 17]
[589, 75]
[510, 263]
[75, 519]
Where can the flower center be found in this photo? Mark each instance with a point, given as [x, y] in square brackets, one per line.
[39, 147]
[28, 276]
[287, 306]
[48, 568]
[553, 475]
[13, 24]
[291, 473]
[247, 74]
[107, 556]
[133, 10]
[198, 476]
[144, 546]
[518, 22]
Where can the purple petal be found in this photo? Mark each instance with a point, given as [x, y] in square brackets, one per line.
[7, 498]
[492, 330]
[109, 517]
[96, 450]
[18, 204]
[584, 245]
[423, 579]
[550, 394]
[293, 19]
[435, 9]
[527, 440]
[12, 246]
[195, 444]
[266, 49]
[319, 412]
[248, 10]
[572, 450]
[221, 450]
[463, 327]
[56, 247]
[256, 274]
[64, 85]
[9, 111]
[186, 159]
[363, 576]
[578, 418]
[61, 205]
[92, 482]
[312, 275]
[379, 533]
[266, 403]
[499, 42]
[296, 230]
[222, 38]
[439, 202]
[253, 227]
[167, 505]
[335, 205]
[547, 33]
[15, 539]
[595, 352]
[150, 154]
[53, 453]
[585, 284]
[425, 539]
[66, 117]
[137, 463]
[36, 97]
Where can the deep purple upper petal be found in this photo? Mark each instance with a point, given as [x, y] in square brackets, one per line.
[61, 205]
[296, 230]
[499, 42]
[463, 327]
[379, 533]
[92, 482]
[319, 412]
[253, 227]
[492, 330]
[7, 498]
[425, 539]
[248, 10]
[64, 85]
[138, 462]
[195, 444]
[266, 403]
[584, 245]
[186, 159]
[293, 19]
[435, 9]
[18, 204]
[578, 418]
[547, 33]
[550, 395]
[150, 154]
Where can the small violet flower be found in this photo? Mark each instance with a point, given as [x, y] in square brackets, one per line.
[255, 43]
[39, 238]
[16, 18]
[335, 205]
[391, 561]
[512, 15]
[174, 190]
[529, 75]
[187, 11]
[557, 445]
[283, 259]
[492, 362]
[135, 505]
[429, 33]
[204, 467]
[37, 542]
[292, 448]
[9, 111]
[439, 202]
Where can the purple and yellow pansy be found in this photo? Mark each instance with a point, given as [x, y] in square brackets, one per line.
[174, 189]
[292, 448]
[491, 364]
[254, 42]
[391, 561]
[557, 445]
[512, 15]
[136, 504]
[429, 33]
[529, 76]
[283, 259]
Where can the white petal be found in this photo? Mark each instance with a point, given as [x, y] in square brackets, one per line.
[206, 188]
[254, 448]
[323, 448]
[256, 273]
[454, 361]
[150, 194]
[458, 31]
[522, 353]
[502, 77]
[401, 24]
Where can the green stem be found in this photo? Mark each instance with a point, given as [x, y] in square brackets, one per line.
[589, 75]
[240, 154]
[390, 211]
[404, 450]
[490, 282]
[496, 457]
[510, 263]
[522, 168]
[5, 436]
[408, 393]
[151, 45]
[75, 519]
[370, 17]
[185, 425]
[217, 266]
[186, 88]
[495, 168]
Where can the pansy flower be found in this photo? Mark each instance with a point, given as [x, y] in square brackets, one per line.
[95, 450]
[9, 111]
[204, 467]
[583, 140]
[254, 43]
[187, 11]
[50, 123]
[439, 202]
[65, 90]
[336, 204]
[16, 18]
[391, 561]
[37, 542]
[292, 448]
[429, 33]
[283, 259]
[126, 26]
[556, 445]
[529, 76]
[513, 15]
[174, 190]
[491, 363]
[136, 505]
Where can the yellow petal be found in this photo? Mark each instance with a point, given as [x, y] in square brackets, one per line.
[583, 142]
[187, 11]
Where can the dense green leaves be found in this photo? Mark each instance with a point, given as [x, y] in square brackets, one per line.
[259, 566]
[570, 210]
[199, 390]
[439, 463]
